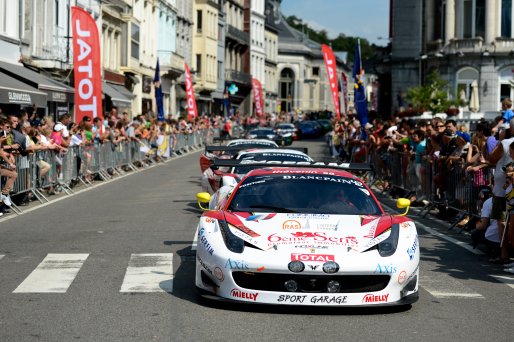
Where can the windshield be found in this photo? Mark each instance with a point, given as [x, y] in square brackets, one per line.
[304, 193]
[269, 156]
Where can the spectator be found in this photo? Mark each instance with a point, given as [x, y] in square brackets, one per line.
[486, 230]
[506, 116]
[7, 165]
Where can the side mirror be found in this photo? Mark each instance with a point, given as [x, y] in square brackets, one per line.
[403, 203]
[202, 198]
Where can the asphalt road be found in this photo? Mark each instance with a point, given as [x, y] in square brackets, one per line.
[70, 271]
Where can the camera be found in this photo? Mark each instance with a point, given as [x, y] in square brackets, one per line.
[504, 167]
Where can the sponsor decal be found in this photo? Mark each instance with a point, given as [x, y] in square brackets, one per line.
[236, 265]
[401, 277]
[404, 225]
[209, 220]
[318, 237]
[260, 269]
[291, 299]
[309, 216]
[312, 247]
[411, 252]
[19, 97]
[389, 269]
[291, 224]
[300, 299]
[313, 267]
[254, 241]
[375, 241]
[327, 226]
[252, 183]
[325, 178]
[371, 298]
[207, 268]
[243, 295]
[310, 172]
[328, 299]
[312, 257]
[218, 273]
[204, 242]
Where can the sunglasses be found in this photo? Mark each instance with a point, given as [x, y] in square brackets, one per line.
[439, 126]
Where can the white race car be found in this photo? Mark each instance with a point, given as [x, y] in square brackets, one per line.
[305, 234]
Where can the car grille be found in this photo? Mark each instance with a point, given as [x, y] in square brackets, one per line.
[310, 283]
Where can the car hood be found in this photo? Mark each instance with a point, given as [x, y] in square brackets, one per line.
[330, 232]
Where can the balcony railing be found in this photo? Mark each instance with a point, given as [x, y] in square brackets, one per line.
[169, 59]
[504, 44]
[238, 35]
[237, 76]
[467, 44]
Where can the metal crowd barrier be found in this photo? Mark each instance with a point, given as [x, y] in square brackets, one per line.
[49, 171]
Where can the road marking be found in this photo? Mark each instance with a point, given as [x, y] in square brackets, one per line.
[442, 285]
[195, 240]
[509, 281]
[149, 273]
[1, 256]
[53, 275]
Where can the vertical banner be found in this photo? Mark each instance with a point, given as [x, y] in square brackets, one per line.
[330, 63]
[86, 65]
[192, 112]
[258, 99]
[345, 92]
[158, 93]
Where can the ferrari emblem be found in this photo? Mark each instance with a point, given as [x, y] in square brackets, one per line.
[313, 250]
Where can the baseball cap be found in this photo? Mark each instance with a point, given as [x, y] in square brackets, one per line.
[448, 133]
[368, 125]
[59, 127]
[464, 136]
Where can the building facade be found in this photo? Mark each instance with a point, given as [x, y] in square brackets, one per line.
[465, 40]
[271, 57]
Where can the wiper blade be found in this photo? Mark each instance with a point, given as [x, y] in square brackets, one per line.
[277, 209]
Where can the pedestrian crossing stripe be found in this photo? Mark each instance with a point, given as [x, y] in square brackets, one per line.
[509, 281]
[149, 273]
[53, 275]
[445, 286]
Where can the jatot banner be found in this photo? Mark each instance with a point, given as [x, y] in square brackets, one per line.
[330, 63]
[345, 92]
[86, 65]
[257, 97]
[192, 112]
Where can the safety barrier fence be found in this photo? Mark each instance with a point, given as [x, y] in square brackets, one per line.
[437, 183]
[48, 171]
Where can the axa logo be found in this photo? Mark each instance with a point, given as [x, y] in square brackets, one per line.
[243, 295]
[370, 298]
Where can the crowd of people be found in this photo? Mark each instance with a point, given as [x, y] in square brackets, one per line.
[22, 136]
[462, 166]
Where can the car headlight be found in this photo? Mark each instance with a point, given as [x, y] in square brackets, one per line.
[270, 136]
[233, 243]
[251, 136]
[388, 246]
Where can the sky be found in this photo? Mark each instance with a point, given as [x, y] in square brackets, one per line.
[362, 18]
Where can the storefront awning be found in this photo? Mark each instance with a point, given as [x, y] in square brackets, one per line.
[55, 90]
[13, 91]
[118, 99]
[122, 90]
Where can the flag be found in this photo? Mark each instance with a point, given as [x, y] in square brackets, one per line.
[158, 93]
[345, 92]
[192, 112]
[86, 65]
[330, 64]
[360, 102]
[257, 97]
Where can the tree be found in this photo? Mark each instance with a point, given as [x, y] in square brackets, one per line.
[434, 96]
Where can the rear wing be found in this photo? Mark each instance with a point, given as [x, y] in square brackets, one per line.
[237, 148]
[217, 163]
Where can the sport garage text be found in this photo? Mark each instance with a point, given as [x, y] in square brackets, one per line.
[299, 299]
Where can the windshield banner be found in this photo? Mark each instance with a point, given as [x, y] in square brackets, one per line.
[258, 99]
[86, 61]
[192, 112]
[330, 63]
